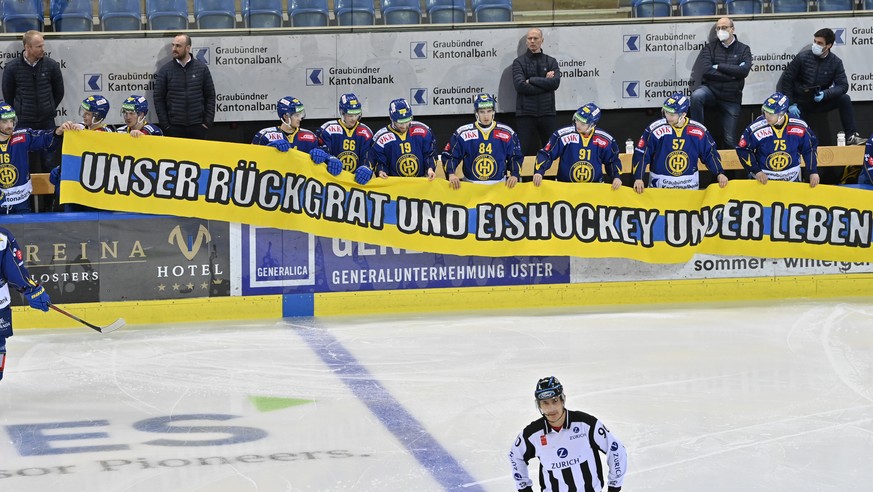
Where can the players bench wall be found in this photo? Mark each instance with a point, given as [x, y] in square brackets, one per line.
[153, 269]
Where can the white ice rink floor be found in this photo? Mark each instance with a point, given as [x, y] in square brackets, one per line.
[723, 398]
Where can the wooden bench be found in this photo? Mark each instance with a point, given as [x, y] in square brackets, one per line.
[827, 156]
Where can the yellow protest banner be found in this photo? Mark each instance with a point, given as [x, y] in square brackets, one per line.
[262, 186]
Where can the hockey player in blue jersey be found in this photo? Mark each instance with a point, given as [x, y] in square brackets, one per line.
[134, 110]
[13, 272]
[568, 445]
[672, 146]
[15, 182]
[584, 151]
[93, 111]
[771, 147]
[405, 147]
[348, 139]
[288, 135]
[486, 151]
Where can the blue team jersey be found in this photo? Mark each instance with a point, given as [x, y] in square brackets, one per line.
[147, 128]
[583, 159]
[349, 145]
[302, 139]
[868, 159]
[12, 271]
[672, 154]
[15, 184]
[408, 154]
[485, 154]
[777, 151]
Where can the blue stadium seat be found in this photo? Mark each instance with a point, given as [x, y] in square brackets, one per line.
[835, 5]
[790, 6]
[120, 15]
[698, 7]
[652, 8]
[868, 4]
[215, 14]
[448, 11]
[355, 12]
[167, 15]
[744, 7]
[262, 13]
[71, 15]
[309, 13]
[401, 11]
[22, 15]
[491, 10]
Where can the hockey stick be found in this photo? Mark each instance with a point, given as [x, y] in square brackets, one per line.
[102, 329]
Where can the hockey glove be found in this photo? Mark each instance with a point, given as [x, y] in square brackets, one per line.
[37, 298]
[282, 145]
[334, 166]
[55, 176]
[318, 156]
[794, 111]
[363, 175]
[818, 96]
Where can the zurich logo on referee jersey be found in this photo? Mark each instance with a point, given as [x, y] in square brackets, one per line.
[575, 429]
[562, 452]
[614, 446]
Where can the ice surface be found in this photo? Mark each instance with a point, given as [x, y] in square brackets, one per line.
[720, 398]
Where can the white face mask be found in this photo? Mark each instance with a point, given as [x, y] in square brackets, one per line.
[722, 35]
[817, 50]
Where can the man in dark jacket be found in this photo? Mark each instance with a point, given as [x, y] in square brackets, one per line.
[34, 87]
[815, 82]
[184, 94]
[726, 63]
[536, 77]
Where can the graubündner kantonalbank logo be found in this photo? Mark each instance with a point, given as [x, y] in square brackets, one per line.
[461, 48]
[246, 55]
[358, 76]
[670, 42]
[861, 36]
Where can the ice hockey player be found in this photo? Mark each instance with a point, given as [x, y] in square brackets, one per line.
[134, 110]
[405, 147]
[348, 139]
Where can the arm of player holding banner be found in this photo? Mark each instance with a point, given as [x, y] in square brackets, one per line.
[642, 157]
[455, 154]
[514, 160]
[809, 150]
[545, 157]
[712, 159]
[612, 163]
[428, 151]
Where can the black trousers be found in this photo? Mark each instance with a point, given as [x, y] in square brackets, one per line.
[534, 132]
[197, 131]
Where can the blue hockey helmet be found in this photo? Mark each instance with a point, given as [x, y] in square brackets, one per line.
[484, 101]
[777, 103]
[135, 104]
[6, 111]
[677, 103]
[96, 104]
[548, 388]
[400, 111]
[588, 114]
[289, 105]
[349, 104]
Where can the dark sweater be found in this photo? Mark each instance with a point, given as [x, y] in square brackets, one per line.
[535, 92]
[184, 95]
[807, 70]
[33, 91]
[726, 82]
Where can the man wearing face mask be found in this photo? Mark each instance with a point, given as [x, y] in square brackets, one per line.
[815, 82]
[726, 63]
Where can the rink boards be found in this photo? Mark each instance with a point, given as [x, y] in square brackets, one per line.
[152, 269]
